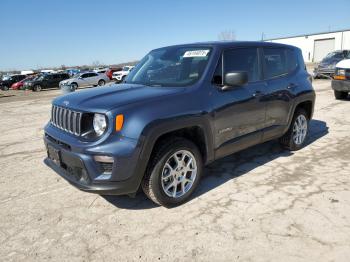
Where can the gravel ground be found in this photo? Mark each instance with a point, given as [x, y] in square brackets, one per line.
[262, 204]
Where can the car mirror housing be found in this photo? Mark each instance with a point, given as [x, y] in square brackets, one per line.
[235, 79]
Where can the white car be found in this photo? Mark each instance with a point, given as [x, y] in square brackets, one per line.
[120, 75]
[85, 79]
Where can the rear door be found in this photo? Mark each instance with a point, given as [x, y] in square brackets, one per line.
[56, 80]
[239, 113]
[49, 81]
[280, 69]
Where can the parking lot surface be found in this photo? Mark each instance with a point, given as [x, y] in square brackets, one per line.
[262, 204]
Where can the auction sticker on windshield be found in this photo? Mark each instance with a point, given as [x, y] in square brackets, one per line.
[196, 53]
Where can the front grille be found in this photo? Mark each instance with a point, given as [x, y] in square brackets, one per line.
[66, 119]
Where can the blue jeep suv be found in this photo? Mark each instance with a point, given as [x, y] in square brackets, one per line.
[179, 109]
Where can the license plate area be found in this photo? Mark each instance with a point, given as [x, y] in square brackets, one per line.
[54, 154]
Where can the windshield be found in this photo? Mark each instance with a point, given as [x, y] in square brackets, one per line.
[171, 66]
[76, 75]
[126, 68]
[42, 77]
[334, 55]
[6, 78]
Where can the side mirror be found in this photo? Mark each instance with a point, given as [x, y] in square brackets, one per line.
[234, 79]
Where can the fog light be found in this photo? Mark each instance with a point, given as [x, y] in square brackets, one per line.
[104, 159]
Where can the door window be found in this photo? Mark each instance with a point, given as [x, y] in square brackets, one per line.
[242, 59]
[275, 62]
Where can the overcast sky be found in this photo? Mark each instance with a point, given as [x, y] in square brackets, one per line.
[43, 33]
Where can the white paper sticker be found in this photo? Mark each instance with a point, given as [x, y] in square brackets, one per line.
[196, 53]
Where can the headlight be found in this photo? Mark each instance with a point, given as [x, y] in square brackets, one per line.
[100, 124]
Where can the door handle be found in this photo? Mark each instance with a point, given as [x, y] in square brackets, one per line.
[257, 93]
[291, 86]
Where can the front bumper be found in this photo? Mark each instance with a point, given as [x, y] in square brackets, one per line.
[79, 168]
[341, 85]
[323, 71]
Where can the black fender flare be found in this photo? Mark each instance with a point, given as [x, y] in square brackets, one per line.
[156, 129]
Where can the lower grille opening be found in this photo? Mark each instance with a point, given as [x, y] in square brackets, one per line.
[57, 142]
[106, 167]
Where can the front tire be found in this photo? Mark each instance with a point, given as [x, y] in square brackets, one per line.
[296, 135]
[101, 82]
[173, 172]
[73, 86]
[37, 88]
[340, 95]
[5, 88]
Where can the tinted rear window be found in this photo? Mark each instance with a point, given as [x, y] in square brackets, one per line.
[279, 61]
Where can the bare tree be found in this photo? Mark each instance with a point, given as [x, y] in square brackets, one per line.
[228, 35]
[96, 63]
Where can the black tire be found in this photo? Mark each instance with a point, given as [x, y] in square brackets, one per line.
[151, 183]
[73, 86]
[5, 88]
[340, 95]
[287, 140]
[101, 82]
[37, 88]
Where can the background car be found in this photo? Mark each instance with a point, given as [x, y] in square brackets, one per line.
[9, 80]
[85, 79]
[120, 75]
[20, 85]
[46, 81]
[341, 81]
[326, 67]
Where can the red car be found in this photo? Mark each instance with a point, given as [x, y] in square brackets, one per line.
[19, 85]
[110, 71]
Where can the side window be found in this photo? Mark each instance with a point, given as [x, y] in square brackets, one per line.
[93, 75]
[84, 75]
[292, 61]
[242, 59]
[275, 62]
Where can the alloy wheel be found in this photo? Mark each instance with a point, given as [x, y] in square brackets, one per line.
[179, 173]
[300, 129]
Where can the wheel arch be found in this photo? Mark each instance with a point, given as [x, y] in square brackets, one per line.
[193, 129]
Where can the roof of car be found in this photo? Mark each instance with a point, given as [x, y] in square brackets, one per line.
[227, 44]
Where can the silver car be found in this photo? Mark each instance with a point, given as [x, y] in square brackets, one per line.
[85, 79]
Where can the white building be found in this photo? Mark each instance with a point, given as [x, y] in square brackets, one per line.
[317, 46]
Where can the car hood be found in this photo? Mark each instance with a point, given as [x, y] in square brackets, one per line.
[344, 64]
[102, 99]
[69, 80]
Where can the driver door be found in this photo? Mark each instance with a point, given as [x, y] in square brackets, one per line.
[239, 113]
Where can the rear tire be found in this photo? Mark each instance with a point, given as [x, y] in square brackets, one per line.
[37, 88]
[101, 82]
[297, 133]
[176, 166]
[340, 95]
[5, 88]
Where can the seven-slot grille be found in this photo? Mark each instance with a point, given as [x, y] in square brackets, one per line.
[66, 119]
